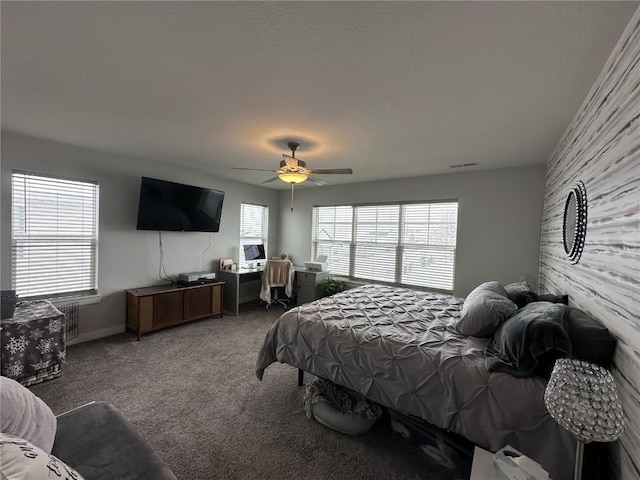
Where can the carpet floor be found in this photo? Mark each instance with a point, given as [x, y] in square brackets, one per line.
[191, 391]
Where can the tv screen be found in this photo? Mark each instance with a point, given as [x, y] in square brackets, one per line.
[176, 207]
[254, 252]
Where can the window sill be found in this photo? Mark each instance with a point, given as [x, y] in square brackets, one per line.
[353, 283]
[82, 300]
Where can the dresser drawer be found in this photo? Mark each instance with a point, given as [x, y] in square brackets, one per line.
[306, 277]
[308, 285]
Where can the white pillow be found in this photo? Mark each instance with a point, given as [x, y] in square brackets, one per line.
[22, 460]
[25, 415]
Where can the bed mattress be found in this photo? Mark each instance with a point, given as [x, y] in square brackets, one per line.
[399, 348]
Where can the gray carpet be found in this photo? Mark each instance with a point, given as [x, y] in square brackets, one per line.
[192, 393]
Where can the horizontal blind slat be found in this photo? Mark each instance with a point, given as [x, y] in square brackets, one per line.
[253, 227]
[54, 234]
[421, 236]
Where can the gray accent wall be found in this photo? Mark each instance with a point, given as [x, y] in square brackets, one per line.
[128, 258]
[499, 214]
[601, 147]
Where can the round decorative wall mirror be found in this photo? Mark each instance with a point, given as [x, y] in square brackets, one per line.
[574, 226]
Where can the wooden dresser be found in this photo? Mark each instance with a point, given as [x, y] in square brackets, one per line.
[153, 308]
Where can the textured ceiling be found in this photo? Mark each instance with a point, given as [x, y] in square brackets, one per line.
[391, 89]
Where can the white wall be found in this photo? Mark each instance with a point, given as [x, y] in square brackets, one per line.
[498, 225]
[499, 213]
[127, 258]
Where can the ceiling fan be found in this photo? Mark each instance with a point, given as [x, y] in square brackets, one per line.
[293, 170]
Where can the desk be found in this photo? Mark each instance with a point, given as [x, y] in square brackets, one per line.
[243, 285]
[33, 347]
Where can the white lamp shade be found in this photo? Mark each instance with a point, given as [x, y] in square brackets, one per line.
[582, 398]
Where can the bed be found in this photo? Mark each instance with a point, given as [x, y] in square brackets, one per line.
[400, 348]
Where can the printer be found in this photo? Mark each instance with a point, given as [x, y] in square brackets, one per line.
[317, 265]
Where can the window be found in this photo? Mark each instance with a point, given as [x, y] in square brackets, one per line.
[254, 227]
[54, 236]
[411, 244]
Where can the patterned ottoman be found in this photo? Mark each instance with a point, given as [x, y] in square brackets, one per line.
[32, 342]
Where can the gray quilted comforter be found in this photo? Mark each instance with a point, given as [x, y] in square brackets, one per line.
[399, 347]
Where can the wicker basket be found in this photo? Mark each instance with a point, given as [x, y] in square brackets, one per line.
[8, 300]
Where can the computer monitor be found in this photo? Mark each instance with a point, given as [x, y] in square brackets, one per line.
[254, 252]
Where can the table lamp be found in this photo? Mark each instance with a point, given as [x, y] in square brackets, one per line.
[582, 398]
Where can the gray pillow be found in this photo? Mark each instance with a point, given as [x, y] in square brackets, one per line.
[484, 309]
[521, 293]
[530, 341]
[550, 297]
[25, 415]
[590, 340]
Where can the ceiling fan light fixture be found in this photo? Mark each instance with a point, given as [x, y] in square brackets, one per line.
[292, 177]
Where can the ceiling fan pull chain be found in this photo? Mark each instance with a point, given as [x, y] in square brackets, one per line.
[292, 196]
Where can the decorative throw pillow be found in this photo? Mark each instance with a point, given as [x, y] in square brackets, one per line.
[520, 293]
[484, 309]
[530, 341]
[590, 340]
[22, 460]
[25, 415]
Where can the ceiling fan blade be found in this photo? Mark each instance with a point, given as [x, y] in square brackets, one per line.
[255, 169]
[271, 180]
[317, 181]
[331, 170]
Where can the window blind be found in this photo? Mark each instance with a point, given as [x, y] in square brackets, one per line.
[254, 221]
[54, 236]
[406, 243]
[429, 244]
[332, 236]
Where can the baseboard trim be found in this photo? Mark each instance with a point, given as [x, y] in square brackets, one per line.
[95, 334]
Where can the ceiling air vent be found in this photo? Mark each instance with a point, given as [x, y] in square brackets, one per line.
[463, 165]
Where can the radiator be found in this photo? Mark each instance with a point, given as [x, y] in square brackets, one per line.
[71, 315]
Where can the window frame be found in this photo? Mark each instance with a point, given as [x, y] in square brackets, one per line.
[253, 239]
[400, 246]
[33, 237]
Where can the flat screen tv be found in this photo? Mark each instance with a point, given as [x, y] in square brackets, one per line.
[175, 207]
[254, 252]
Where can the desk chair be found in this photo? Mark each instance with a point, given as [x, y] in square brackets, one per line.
[277, 276]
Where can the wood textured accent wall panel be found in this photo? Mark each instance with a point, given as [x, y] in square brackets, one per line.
[601, 147]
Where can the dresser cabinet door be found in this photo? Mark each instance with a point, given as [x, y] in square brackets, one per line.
[216, 299]
[198, 302]
[168, 308]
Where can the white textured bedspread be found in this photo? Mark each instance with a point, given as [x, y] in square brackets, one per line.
[399, 347]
